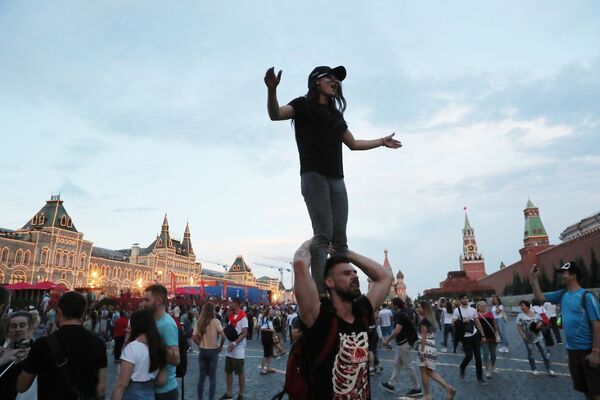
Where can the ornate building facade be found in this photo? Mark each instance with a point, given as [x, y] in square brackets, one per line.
[49, 248]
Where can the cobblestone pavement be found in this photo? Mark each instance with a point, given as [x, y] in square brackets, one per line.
[513, 380]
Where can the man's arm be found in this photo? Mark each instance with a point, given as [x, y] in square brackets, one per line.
[276, 113]
[101, 386]
[305, 289]
[24, 381]
[382, 278]
[395, 332]
[594, 357]
[535, 284]
[173, 355]
[241, 337]
[357, 144]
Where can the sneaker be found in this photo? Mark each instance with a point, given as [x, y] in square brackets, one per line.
[535, 373]
[390, 388]
[462, 374]
[372, 371]
[482, 382]
[414, 393]
[551, 373]
[488, 374]
[444, 350]
[226, 397]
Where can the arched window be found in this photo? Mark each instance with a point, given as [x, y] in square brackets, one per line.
[138, 274]
[1, 276]
[41, 219]
[63, 276]
[26, 257]
[4, 255]
[82, 261]
[34, 220]
[19, 257]
[44, 256]
[68, 260]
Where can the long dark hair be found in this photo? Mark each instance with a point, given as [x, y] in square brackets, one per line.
[206, 315]
[142, 322]
[449, 307]
[337, 102]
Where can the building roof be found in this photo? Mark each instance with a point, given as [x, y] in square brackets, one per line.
[115, 255]
[533, 223]
[53, 214]
[582, 227]
[212, 273]
[239, 265]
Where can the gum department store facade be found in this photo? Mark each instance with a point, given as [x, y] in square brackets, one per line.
[49, 248]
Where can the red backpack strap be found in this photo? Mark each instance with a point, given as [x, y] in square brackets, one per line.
[332, 337]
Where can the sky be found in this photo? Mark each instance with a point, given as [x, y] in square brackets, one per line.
[134, 109]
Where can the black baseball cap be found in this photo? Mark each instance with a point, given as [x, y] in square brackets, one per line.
[319, 72]
[570, 267]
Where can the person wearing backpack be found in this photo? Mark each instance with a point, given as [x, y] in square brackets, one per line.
[338, 363]
[469, 332]
[581, 322]
[406, 336]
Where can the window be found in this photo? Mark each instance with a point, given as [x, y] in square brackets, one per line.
[41, 219]
[4, 255]
[26, 257]
[34, 220]
[82, 261]
[19, 257]
[44, 256]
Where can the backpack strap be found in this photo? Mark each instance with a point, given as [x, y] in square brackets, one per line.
[332, 336]
[62, 363]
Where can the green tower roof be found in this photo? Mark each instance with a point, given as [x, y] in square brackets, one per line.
[533, 222]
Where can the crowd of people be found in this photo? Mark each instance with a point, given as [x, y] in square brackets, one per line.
[68, 360]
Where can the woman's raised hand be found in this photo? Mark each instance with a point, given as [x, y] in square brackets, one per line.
[272, 80]
[390, 142]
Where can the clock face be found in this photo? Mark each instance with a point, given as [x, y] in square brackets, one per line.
[470, 247]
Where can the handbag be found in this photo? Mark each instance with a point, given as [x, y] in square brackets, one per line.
[231, 333]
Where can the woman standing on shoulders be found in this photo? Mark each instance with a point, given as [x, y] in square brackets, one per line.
[320, 131]
[206, 335]
[428, 351]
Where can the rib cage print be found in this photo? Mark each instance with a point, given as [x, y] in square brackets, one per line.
[350, 368]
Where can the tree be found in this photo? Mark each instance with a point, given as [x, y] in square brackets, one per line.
[517, 284]
[545, 282]
[584, 279]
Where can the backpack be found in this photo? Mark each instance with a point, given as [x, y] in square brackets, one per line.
[277, 324]
[297, 373]
[410, 332]
[583, 303]
[298, 370]
[181, 368]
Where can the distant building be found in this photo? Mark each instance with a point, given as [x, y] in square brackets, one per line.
[581, 228]
[49, 248]
[396, 287]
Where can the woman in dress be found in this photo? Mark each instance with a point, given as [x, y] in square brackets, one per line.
[266, 336]
[428, 350]
[320, 131]
[206, 335]
[141, 360]
[529, 326]
[500, 317]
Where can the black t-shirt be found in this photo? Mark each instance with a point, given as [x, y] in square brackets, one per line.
[348, 361]
[86, 354]
[401, 318]
[319, 129]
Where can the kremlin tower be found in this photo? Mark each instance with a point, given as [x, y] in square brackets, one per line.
[471, 261]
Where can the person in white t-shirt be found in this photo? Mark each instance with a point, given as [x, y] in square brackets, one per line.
[473, 332]
[236, 349]
[141, 360]
[385, 320]
[500, 318]
[551, 313]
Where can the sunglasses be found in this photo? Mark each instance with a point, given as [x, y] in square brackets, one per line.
[566, 267]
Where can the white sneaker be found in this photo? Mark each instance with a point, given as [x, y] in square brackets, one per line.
[444, 350]
[535, 373]
[551, 373]
[488, 374]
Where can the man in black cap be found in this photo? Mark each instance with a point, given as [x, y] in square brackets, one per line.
[581, 322]
[320, 130]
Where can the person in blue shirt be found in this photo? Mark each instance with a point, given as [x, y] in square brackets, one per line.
[155, 299]
[581, 322]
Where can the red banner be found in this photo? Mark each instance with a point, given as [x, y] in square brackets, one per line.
[201, 288]
[224, 290]
[173, 282]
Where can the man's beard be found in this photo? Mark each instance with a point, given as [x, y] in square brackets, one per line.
[348, 294]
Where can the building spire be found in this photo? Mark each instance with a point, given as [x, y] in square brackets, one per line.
[187, 241]
[164, 239]
[471, 261]
[534, 233]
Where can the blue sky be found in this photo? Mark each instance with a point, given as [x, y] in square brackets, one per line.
[134, 109]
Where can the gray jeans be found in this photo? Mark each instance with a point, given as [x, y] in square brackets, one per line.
[401, 362]
[327, 203]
